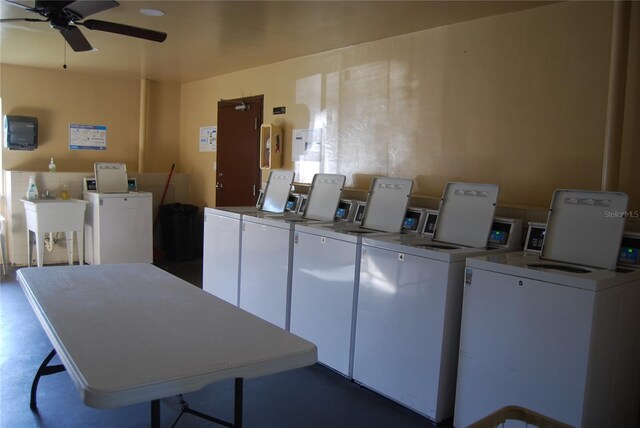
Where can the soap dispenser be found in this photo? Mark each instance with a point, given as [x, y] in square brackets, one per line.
[52, 166]
[32, 190]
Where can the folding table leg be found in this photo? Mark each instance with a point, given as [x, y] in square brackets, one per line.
[237, 410]
[155, 414]
[237, 417]
[44, 370]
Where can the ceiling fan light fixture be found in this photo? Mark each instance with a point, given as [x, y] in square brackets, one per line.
[152, 12]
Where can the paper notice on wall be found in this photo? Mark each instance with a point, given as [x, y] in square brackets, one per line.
[307, 153]
[307, 144]
[208, 138]
[87, 137]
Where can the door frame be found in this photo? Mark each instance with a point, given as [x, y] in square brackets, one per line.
[249, 100]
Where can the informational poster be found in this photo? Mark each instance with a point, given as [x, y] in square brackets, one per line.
[208, 138]
[307, 144]
[307, 153]
[87, 137]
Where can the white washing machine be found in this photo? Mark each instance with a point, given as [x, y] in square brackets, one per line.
[326, 263]
[118, 228]
[267, 250]
[410, 300]
[557, 333]
[118, 223]
[221, 251]
[222, 237]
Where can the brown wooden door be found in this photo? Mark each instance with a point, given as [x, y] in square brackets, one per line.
[238, 169]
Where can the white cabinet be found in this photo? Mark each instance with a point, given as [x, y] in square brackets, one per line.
[118, 228]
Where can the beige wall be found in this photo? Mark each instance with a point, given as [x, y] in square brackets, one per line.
[198, 108]
[163, 127]
[58, 98]
[630, 162]
[517, 99]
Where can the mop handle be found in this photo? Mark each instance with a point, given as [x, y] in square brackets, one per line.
[166, 187]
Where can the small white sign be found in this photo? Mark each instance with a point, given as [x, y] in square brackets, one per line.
[87, 137]
[208, 138]
[307, 153]
[307, 144]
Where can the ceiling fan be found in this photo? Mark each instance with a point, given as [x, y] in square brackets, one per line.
[67, 16]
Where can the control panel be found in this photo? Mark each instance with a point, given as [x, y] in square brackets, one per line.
[302, 204]
[414, 220]
[506, 233]
[292, 203]
[430, 222]
[535, 237]
[359, 214]
[630, 250]
[345, 210]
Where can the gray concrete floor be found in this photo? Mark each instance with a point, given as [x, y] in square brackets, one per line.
[310, 397]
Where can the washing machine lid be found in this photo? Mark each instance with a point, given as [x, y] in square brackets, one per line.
[276, 192]
[111, 177]
[324, 196]
[466, 214]
[387, 203]
[585, 227]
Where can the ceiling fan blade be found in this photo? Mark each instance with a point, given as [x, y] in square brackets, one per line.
[21, 6]
[76, 39]
[23, 20]
[126, 30]
[49, 8]
[86, 8]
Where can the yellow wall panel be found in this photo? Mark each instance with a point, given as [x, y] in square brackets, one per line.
[61, 97]
[162, 147]
[630, 162]
[517, 99]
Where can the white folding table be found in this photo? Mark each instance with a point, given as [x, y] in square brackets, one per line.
[131, 333]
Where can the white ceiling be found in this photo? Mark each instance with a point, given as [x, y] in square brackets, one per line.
[209, 38]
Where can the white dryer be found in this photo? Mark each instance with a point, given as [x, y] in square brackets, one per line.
[557, 333]
[326, 263]
[267, 250]
[222, 227]
[410, 300]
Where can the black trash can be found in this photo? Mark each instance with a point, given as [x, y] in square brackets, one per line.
[178, 230]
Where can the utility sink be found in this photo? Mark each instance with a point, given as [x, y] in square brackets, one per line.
[55, 215]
